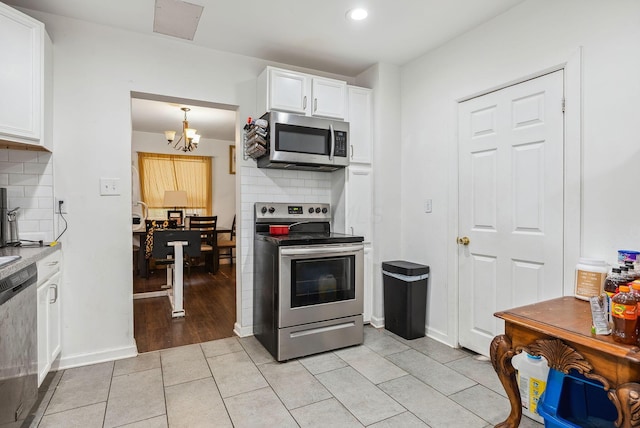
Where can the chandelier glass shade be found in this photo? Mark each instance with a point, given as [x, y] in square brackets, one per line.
[188, 140]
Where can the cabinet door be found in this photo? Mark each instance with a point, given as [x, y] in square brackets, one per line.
[21, 44]
[360, 124]
[43, 332]
[359, 201]
[329, 98]
[54, 339]
[368, 284]
[287, 91]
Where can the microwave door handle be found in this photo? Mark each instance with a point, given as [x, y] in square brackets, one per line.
[333, 142]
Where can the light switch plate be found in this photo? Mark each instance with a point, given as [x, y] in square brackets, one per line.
[427, 206]
[109, 186]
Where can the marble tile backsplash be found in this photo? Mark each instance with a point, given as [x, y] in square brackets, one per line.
[28, 177]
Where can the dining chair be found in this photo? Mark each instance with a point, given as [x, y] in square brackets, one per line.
[151, 226]
[206, 225]
[225, 247]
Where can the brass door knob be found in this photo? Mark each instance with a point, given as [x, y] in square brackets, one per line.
[464, 240]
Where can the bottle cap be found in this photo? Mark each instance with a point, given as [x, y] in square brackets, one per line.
[623, 288]
[616, 270]
[635, 285]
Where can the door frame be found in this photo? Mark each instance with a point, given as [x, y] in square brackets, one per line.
[572, 222]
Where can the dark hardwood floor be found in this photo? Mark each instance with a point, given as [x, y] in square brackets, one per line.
[209, 303]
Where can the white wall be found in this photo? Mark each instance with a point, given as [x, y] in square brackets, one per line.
[224, 184]
[529, 38]
[95, 70]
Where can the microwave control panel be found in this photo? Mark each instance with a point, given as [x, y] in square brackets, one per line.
[341, 143]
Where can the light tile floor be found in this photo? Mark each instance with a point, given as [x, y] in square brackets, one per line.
[234, 382]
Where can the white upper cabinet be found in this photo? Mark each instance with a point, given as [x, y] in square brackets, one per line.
[329, 98]
[288, 91]
[301, 93]
[23, 41]
[360, 124]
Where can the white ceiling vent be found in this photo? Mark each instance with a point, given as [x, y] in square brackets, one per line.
[177, 18]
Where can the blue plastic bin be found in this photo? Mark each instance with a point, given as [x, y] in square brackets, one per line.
[573, 401]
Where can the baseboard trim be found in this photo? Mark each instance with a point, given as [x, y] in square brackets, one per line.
[241, 331]
[78, 360]
[377, 322]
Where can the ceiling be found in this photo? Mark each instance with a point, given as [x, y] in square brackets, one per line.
[303, 33]
[159, 116]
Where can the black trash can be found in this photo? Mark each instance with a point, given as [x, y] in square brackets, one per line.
[405, 298]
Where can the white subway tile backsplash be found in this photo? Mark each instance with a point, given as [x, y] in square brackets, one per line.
[23, 179]
[11, 168]
[23, 156]
[28, 225]
[35, 214]
[36, 168]
[28, 178]
[38, 191]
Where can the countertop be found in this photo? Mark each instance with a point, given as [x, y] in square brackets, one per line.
[28, 255]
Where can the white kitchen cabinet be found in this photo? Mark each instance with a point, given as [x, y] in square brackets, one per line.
[368, 283]
[359, 116]
[328, 98]
[49, 312]
[359, 201]
[290, 91]
[25, 80]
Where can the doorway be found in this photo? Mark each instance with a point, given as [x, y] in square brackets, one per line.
[209, 298]
[511, 203]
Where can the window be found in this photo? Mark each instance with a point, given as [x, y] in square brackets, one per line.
[160, 172]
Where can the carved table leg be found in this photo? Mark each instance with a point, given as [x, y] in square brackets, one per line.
[627, 401]
[501, 354]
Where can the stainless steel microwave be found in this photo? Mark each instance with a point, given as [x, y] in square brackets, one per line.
[305, 143]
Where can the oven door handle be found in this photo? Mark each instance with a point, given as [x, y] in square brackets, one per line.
[321, 250]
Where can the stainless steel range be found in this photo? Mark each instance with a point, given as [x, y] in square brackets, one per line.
[307, 284]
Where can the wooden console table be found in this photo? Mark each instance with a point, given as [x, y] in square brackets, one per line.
[560, 330]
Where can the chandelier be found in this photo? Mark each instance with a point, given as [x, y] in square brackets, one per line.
[189, 140]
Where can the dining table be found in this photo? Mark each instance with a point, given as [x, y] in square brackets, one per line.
[142, 264]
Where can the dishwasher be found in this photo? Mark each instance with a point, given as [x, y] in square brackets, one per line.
[18, 345]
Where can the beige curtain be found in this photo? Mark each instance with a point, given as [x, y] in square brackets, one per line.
[175, 172]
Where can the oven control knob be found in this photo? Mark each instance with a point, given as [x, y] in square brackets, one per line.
[324, 211]
[311, 210]
[263, 210]
[271, 210]
[318, 210]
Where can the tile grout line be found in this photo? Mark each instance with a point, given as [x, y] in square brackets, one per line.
[216, 383]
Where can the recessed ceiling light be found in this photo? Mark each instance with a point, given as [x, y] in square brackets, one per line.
[357, 14]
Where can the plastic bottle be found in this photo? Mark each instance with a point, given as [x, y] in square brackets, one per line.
[624, 310]
[635, 291]
[532, 381]
[613, 281]
[633, 272]
[590, 277]
[627, 275]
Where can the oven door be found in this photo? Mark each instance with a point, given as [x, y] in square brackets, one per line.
[320, 282]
